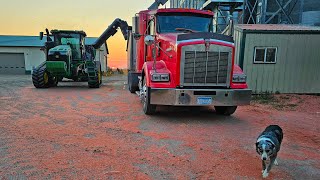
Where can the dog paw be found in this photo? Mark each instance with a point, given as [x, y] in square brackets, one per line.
[276, 163]
[265, 174]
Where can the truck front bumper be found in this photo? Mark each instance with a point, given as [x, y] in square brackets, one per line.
[190, 97]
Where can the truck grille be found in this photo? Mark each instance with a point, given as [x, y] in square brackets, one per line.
[206, 68]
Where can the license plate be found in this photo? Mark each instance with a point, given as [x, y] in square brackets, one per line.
[204, 100]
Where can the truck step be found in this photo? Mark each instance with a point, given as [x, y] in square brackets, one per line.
[138, 93]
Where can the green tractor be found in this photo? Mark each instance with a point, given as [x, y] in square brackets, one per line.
[67, 57]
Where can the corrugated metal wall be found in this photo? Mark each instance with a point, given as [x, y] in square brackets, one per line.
[297, 69]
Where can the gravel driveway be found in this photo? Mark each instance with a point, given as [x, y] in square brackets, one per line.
[72, 132]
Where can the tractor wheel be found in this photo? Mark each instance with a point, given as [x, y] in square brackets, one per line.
[53, 81]
[148, 108]
[225, 110]
[132, 84]
[40, 78]
[95, 81]
[100, 76]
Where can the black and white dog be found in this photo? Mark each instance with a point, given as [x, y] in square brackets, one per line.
[267, 146]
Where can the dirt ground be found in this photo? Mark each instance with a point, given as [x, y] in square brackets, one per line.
[72, 132]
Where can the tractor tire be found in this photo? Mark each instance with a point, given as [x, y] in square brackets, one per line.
[40, 77]
[225, 110]
[148, 109]
[53, 81]
[132, 83]
[95, 81]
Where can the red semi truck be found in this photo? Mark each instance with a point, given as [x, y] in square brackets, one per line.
[175, 59]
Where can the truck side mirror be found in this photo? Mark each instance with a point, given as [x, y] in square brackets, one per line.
[149, 40]
[136, 36]
[41, 35]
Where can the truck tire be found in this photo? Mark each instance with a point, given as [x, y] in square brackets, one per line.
[225, 110]
[132, 83]
[40, 77]
[148, 108]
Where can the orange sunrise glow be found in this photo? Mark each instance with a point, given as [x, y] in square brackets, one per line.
[30, 17]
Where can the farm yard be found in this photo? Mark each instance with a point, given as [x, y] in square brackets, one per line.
[72, 132]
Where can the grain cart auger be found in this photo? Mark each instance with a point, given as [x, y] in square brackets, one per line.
[67, 57]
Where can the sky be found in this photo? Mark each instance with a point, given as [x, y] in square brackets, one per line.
[29, 17]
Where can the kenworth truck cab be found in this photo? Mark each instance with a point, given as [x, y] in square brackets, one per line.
[175, 59]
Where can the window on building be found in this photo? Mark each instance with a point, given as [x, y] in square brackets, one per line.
[266, 55]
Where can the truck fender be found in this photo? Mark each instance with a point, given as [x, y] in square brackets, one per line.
[237, 69]
[147, 69]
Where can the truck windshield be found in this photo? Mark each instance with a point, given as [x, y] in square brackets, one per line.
[170, 23]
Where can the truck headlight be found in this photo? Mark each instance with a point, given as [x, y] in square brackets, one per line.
[239, 78]
[160, 77]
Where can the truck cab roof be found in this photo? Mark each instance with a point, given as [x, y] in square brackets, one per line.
[178, 10]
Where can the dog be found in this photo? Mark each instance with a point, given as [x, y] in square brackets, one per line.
[267, 146]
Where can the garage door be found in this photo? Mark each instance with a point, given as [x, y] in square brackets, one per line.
[12, 63]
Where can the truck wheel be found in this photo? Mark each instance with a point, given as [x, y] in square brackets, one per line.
[40, 78]
[132, 86]
[148, 108]
[225, 110]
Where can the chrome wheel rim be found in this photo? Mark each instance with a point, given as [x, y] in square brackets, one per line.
[45, 78]
[144, 94]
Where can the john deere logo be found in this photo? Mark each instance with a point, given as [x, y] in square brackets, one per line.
[57, 56]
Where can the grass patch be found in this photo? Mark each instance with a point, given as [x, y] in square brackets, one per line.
[265, 98]
[282, 102]
[284, 97]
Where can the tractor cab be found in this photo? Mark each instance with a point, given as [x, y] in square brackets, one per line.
[73, 39]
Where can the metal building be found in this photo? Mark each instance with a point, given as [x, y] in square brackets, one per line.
[279, 58]
[306, 12]
[19, 54]
[282, 12]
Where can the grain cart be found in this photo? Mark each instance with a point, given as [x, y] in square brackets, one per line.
[67, 57]
[174, 58]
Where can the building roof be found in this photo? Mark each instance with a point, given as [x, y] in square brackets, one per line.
[277, 28]
[30, 41]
